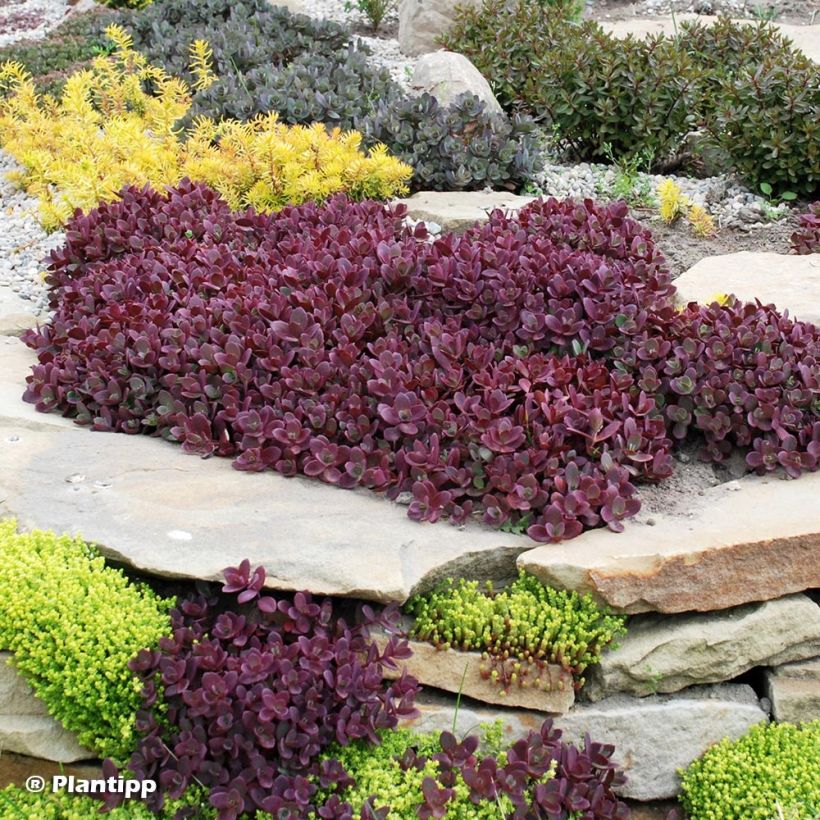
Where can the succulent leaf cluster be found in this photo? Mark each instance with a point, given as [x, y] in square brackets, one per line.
[624, 97]
[526, 372]
[308, 71]
[519, 629]
[70, 46]
[72, 629]
[806, 239]
[128, 136]
[459, 147]
[771, 771]
[246, 696]
[435, 775]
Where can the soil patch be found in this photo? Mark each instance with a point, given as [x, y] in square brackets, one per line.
[682, 249]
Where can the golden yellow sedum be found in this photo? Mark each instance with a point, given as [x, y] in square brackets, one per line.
[107, 131]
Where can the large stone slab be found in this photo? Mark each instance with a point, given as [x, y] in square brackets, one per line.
[459, 210]
[446, 75]
[794, 690]
[26, 727]
[422, 21]
[653, 737]
[16, 313]
[39, 736]
[455, 672]
[152, 507]
[749, 540]
[788, 282]
[16, 696]
[665, 653]
[805, 38]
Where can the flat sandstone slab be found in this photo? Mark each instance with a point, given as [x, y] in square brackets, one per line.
[787, 282]
[459, 210]
[794, 690]
[665, 653]
[749, 540]
[455, 671]
[154, 508]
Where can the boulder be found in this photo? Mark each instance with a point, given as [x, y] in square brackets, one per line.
[422, 21]
[754, 539]
[458, 210]
[160, 511]
[455, 672]
[787, 282]
[665, 653]
[16, 696]
[794, 690]
[445, 75]
[653, 736]
[40, 736]
[26, 728]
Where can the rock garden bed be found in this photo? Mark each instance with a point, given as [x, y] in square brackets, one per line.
[462, 410]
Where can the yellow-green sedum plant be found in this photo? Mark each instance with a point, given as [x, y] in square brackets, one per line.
[73, 624]
[772, 771]
[115, 125]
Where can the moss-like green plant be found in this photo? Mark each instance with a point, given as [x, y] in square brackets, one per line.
[519, 629]
[381, 778]
[772, 771]
[18, 804]
[73, 624]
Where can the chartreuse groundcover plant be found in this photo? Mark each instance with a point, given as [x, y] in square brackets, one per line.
[114, 125]
[518, 629]
[770, 772]
[437, 776]
[73, 624]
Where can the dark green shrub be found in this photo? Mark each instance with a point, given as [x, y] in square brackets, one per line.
[459, 147]
[601, 96]
[73, 625]
[66, 49]
[526, 622]
[766, 120]
[614, 98]
[770, 772]
[722, 49]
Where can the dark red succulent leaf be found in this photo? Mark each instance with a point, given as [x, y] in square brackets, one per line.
[532, 371]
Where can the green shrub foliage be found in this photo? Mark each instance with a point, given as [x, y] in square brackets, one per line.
[267, 59]
[73, 625]
[609, 97]
[772, 771]
[63, 51]
[600, 95]
[767, 119]
[519, 629]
